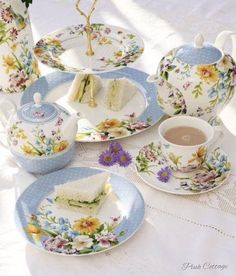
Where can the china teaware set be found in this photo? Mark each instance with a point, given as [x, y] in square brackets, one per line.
[194, 79]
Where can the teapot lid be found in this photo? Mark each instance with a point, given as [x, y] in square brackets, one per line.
[198, 53]
[38, 112]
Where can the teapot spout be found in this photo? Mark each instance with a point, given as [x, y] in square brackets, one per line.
[70, 128]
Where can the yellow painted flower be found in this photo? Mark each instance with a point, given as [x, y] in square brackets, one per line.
[21, 135]
[14, 46]
[33, 229]
[53, 41]
[87, 225]
[118, 54]
[207, 73]
[199, 155]
[9, 63]
[35, 67]
[38, 51]
[108, 123]
[27, 149]
[104, 40]
[60, 146]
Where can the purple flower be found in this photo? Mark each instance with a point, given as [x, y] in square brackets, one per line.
[124, 159]
[164, 174]
[107, 158]
[115, 148]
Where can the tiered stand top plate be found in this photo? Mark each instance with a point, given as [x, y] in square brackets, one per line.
[114, 48]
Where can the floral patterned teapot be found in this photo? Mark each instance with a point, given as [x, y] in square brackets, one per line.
[38, 129]
[197, 79]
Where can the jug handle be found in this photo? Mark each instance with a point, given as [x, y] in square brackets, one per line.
[221, 38]
[4, 110]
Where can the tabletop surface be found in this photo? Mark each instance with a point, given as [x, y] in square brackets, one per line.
[191, 235]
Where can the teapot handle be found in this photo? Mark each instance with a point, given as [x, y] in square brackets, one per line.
[5, 111]
[221, 38]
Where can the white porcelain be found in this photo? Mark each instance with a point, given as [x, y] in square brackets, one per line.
[18, 66]
[185, 159]
[153, 168]
[197, 79]
[38, 129]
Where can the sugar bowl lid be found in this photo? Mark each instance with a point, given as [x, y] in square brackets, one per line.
[38, 111]
[198, 52]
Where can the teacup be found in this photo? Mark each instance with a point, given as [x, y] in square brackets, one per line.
[184, 159]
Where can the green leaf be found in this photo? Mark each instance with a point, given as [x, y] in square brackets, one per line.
[86, 251]
[197, 90]
[27, 2]
[166, 75]
[122, 233]
[171, 67]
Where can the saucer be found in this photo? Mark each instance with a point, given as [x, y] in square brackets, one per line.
[153, 168]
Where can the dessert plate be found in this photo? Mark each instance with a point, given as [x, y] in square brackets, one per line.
[65, 49]
[101, 124]
[153, 169]
[66, 231]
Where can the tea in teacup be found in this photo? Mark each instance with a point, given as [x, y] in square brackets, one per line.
[185, 141]
[185, 136]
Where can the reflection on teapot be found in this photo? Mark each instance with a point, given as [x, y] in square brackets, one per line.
[197, 79]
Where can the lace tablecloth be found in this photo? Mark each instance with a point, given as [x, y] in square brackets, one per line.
[192, 235]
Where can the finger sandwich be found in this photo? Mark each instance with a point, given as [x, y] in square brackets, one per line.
[118, 93]
[81, 88]
[86, 194]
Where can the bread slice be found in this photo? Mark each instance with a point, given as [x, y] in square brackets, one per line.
[81, 87]
[87, 194]
[118, 93]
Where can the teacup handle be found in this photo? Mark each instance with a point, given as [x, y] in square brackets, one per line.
[217, 139]
[5, 113]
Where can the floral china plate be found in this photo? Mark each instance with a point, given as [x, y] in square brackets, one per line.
[101, 124]
[152, 167]
[66, 231]
[114, 47]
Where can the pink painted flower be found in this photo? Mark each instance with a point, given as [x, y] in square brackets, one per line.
[138, 125]
[234, 77]
[59, 121]
[105, 239]
[6, 15]
[55, 244]
[186, 85]
[14, 33]
[115, 219]
[18, 79]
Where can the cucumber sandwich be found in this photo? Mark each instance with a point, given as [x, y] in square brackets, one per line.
[86, 194]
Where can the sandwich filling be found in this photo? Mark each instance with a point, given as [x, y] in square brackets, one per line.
[85, 204]
[86, 193]
[83, 86]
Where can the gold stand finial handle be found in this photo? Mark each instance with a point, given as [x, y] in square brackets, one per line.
[88, 28]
